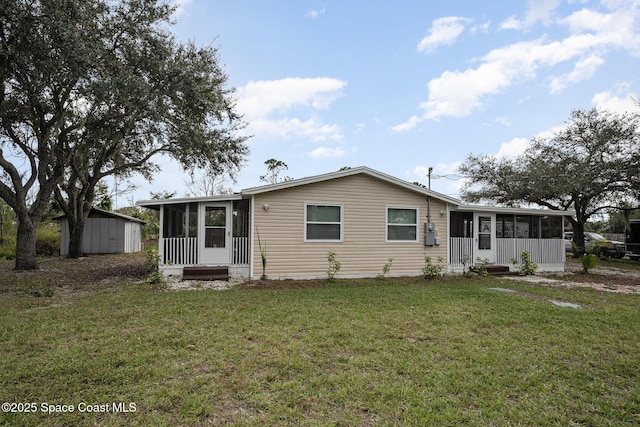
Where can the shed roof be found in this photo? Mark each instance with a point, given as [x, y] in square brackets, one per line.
[96, 212]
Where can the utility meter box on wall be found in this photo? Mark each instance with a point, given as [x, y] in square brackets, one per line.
[429, 234]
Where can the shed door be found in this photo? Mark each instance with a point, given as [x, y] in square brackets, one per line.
[215, 243]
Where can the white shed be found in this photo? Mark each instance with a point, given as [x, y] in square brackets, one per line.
[105, 232]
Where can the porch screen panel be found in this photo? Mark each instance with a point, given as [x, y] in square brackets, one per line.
[527, 226]
[551, 227]
[504, 226]
[174, 220]
[215, 220]
[193, 220]
[461, 224]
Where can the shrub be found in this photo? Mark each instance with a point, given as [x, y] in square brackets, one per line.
[385, 269]
[263, 255]
[47, 241]
[431, 270]
[151, 262]
[588, 261]
[8, 247]
[480, 267]
[334, 266]
[465, 260]
[526, 266]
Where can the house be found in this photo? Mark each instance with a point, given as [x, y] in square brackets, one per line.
[364, 216]
[105, 232]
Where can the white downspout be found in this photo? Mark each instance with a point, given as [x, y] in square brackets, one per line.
[252, 226]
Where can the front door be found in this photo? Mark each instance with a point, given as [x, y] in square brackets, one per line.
[215, 243]
[485, 236]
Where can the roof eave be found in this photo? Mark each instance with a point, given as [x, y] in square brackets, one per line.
[156, 203]
[504, 209]
[344, 173]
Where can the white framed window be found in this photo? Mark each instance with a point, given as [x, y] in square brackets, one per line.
[402, 224]
[322, 222]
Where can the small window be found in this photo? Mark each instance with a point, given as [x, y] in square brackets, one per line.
[402, 224]
[484, 232]
[323, 222]
[215, 220]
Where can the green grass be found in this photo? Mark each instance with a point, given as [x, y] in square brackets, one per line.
[367, 352]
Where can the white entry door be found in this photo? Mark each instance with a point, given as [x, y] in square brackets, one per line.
[485, 236]
[215, 241]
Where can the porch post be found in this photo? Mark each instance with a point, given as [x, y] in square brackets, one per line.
[251, 233]
[448, 222]
[160, 235]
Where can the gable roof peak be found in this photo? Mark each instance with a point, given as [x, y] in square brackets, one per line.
[344, 173]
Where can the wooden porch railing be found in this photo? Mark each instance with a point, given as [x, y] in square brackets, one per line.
[180, 250]
[459, 248]
[240, 251]
[184, 251]
[542, 251]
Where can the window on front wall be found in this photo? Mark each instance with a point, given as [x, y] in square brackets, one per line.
[323, 222]
[402, 224]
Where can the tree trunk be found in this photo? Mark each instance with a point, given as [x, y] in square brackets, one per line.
[577, 226]
[578, 239]
[76, 234]
[26, 244]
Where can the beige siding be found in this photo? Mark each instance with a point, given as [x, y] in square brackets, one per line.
[363, 251]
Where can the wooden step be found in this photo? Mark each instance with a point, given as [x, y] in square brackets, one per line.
[205, 272]
[499, 270]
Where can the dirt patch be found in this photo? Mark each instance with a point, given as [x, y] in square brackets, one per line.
[67, 278]
[604, 279]
[63, 276]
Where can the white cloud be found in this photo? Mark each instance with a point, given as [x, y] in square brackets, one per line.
[513, 148]
[444, 31]
[538, 11]
[541, 10]
[503, 121]
[313, 14]
[325, 152]
[419, 173]
[593, 35]
[288, 128]
[583, 70]
[481, 28]
[619, 101]
[408, 125]
[260, 98]
[512, 23]
[270, 107]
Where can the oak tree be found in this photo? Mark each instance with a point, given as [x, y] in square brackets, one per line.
[589, 166]
[96, 88]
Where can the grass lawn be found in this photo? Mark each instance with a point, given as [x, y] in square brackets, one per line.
[356, 352]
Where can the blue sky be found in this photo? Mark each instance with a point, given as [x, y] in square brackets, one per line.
[404, 85]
